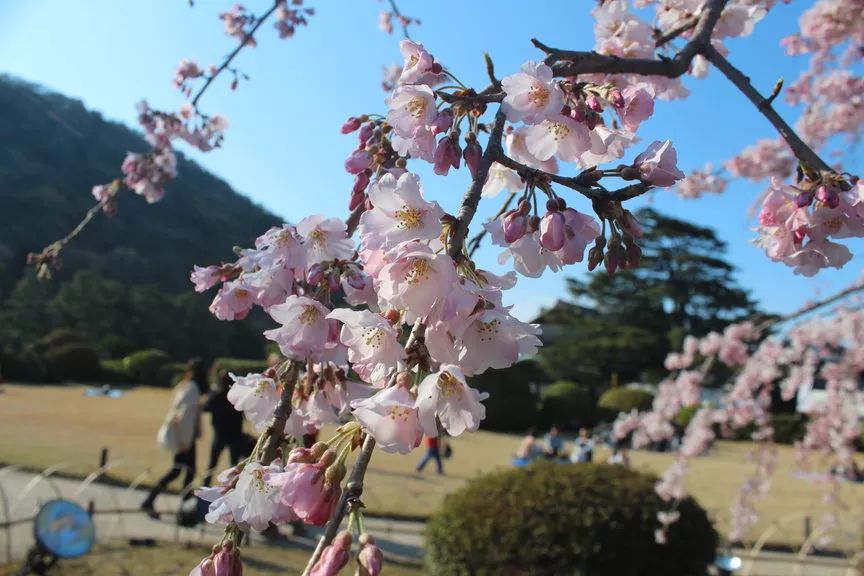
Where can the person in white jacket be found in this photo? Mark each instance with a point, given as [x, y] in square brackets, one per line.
[181, 430]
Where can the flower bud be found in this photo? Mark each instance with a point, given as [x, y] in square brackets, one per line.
[634, 255]
[515, 224]
[827, 196]
[472, 154]
[366, 132]
[552, 205]
[350, 125]
[334, 557]
[594, 103]
[524, 207]
[578, 113]
[361, 180]
[610, 261]
[358, 161]
[447, 155]
[370, 558]
[553, 231]
[442, 122]
[616, 98]
[804, 199]
[333, 282]
[595, 256]
[315, 274]
[356, 281]
[356, 199]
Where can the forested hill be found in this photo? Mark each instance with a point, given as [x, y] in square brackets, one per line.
[52, 152]
[123, 283]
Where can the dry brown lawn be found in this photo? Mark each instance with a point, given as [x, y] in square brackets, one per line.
[176, 560]
[45, 425]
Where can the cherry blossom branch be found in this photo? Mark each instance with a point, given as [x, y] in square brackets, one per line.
[857, 287]
[401, 19]
[354, 485]
[573, 63]
[275, 432]
[663, 39]
[801, 150]
[472, 196]
[230, 58]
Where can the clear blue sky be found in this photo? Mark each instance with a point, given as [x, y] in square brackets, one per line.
[284, 149]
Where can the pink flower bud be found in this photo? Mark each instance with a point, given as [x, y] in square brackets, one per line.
[595, 256]
[617, 98]
[578, 113]
[333, 282]
[515, 225]
[359, 161]
[357, 198]
[594, 103]
[334, 557]
[610, 261]
[553, 231]
[804, 199]
[365, 133]
[350, 125]
[442, 122]
[472, 154]
[361, 180]
[315, 274]
[370, 558]
[591, 120]
[447, 155]
[524, 207]
[356, 281]
[827, 197]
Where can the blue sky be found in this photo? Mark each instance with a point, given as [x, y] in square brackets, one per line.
[284, 149]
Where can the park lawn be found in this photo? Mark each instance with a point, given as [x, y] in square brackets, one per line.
[41, 426]
[171, 559]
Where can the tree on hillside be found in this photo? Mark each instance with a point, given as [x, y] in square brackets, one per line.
[626, 323]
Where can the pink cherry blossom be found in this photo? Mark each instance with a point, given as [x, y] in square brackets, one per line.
[233, 301]
[579, 231]
[444, 395]
[532, 95]
[415, 279]
[657, 164]
[256, 396]
[399, 213]
[518, 150]
[638, 105]
[419, 67]
[325, 239]
[307, 492]
[251, 502]
[373, 346]
[552, 236]
[411, 107]
[391, 418]
[559, 136]
[305, 329]
[205, 278]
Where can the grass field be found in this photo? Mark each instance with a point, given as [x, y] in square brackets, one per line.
[45, 425]
[177, 559]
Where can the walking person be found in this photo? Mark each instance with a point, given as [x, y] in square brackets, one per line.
[179, 432]
[432, 453]
[227, 423]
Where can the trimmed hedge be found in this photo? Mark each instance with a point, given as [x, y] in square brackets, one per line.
[144, 366]
[238, 366]
[77, 362]
[617, 400]
[573, 519]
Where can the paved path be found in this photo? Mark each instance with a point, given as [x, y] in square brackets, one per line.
[25, 492]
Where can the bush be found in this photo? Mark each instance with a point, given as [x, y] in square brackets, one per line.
[238, 366]
[114, 372]
[143, 366]
[574, 519]
[57, 338]
[617, 400]
[24, 366]
[77, 362]
[567, 405]
[114, 346]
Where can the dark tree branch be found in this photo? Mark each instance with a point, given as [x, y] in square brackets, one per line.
[276, 431]
[663, 39]
[801, 150]
[573, 63]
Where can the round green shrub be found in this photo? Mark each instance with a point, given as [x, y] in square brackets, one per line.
[625, 400]
[567, 405]
[143, 366]
[568, 519]
[114, 372]
[58, 337]
[77, 362]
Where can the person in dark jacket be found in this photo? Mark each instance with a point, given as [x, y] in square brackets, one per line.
[227, 424]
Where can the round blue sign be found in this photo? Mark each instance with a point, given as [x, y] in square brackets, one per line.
[64, 529]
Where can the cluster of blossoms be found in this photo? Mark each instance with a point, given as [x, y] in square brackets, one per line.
[385, 21]
[818, 349]
[241, 24]
[797, 223]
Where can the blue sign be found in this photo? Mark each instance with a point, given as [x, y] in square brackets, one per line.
[64, 529]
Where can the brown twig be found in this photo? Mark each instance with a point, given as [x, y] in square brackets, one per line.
[801, 150]
[663, 39]
[227, 62]
[857, 287]
[401, 18]
[276, 431]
